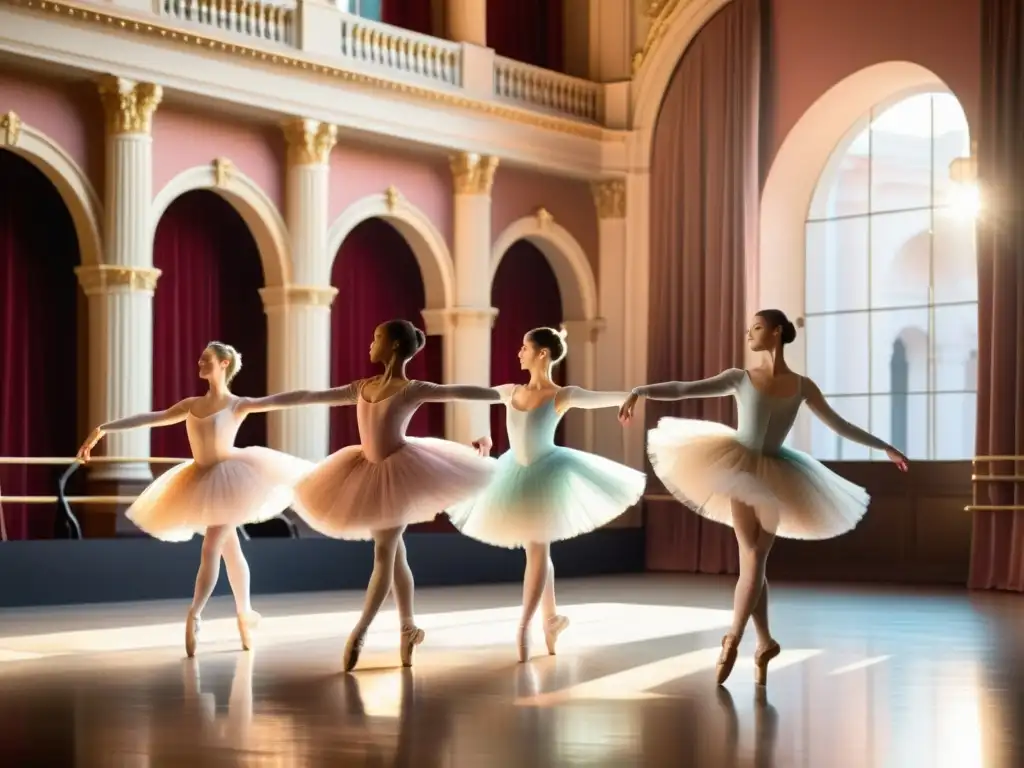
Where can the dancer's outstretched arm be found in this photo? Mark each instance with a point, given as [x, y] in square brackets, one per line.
[173, 415]
[819, 407]
[721, 385]
[346, 395]
[578, 397]
[428, 392]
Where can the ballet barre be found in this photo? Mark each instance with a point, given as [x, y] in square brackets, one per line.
[978, 479]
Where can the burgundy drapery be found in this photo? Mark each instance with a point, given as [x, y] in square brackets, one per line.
[704, 200]
[529, 31]
[997, 547]
[526, 295]
[208, 291]
[378, 279]
[38, 356]
[414, 15]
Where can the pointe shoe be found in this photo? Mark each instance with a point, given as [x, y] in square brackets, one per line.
[247, 622]
[523, 642]
[553, 627]
[762, 656]
[353, 648]
[411, 637]
[192, 623]
[730, 649]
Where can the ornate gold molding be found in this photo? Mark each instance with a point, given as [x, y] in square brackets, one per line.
[10, 129]
[392, 197]
[661, 12]
[309, 141]
[108, 278]
[439, 321]
[609, 198]
[129, 106]
[544, 217]
[222, 170]
[302, 295]
[473, 174]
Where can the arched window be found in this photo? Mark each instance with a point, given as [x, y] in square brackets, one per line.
[368, 9]
[891, 306]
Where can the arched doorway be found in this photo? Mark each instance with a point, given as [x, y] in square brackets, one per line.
[208, 291]
[526, 294]
[42, 308]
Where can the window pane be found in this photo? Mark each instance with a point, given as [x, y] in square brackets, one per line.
[955, 420]
[951, 139]
[901, 420]
[901, 256]
[837, 265]
[837, 352]
[955, 257]
[899, 334]
[855, 410]
[843, 187]
[901, 155]
[956, 347]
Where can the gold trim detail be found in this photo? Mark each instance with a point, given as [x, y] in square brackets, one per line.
[180, 37]
[222, 171]
[610, 198]
[392, 197]
[309, 141]
[302, 295]
[107, 278]
[544, 217]
[129, 106]
[473, 174]
[10, 129]
[661, 12]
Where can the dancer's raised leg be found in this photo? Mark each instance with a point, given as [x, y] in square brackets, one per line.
[385, 549]
[404, 588]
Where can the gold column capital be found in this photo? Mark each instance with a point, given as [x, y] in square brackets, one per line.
[309, 141]
[10, 129]
[101, 279]
[473, 174]
[609, 198]
[279, 296]
[129, 106]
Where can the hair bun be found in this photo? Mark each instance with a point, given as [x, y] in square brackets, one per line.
[421, 339]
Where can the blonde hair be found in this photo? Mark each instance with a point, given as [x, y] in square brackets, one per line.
[227, 352]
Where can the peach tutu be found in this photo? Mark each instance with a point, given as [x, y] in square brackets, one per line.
[251, 485]
[349, 497]
[705, 466]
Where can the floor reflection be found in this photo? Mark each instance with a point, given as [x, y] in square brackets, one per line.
[866, 679]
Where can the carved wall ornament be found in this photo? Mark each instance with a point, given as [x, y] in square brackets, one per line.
[309, 141]
[109, 278]
[610, 198]
[544, 217]
[660, 12]
[129, 106]
[10, 129]
[473, 174]
[222, 170]
[391, 198]
[301, 295]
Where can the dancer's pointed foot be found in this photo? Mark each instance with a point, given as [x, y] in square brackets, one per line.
[247, 623]
[762, 656]
[411, 637]
[523, 642]
[553, 627]
[727, 659]
[192, 622]
[353, 648]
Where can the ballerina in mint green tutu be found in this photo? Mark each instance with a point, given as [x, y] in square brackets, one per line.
[542, 492]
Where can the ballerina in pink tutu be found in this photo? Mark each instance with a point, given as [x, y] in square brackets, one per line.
[747, 479]
[222, 488]
[376, 489]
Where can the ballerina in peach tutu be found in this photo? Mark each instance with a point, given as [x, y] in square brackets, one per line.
[376, 489]
[543, 492]
[747, 479]
[222, 488]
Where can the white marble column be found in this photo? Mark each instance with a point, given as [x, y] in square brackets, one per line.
[466, 21]
[299, 314]
[471, 319]
[120, 292]
[580, 424]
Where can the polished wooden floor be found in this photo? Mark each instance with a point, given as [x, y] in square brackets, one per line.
[867, 677]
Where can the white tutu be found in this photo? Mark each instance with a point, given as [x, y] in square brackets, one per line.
[250, 486]
[561, 495]
[704, 466]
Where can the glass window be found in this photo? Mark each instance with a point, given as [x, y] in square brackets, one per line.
[368, 9]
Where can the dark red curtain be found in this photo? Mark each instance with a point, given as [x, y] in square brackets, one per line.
[38, 357]
[414, 15]
[526, 295]
[378, 279]
[209, 291]
[527, 30]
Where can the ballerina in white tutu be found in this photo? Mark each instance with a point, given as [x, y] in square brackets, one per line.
[376, 489]
[542, 492]
[222, 488]
[747, 479]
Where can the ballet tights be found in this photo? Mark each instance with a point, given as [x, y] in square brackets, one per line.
[538, 583]
[751, 598]
[221, 541]
[390, 570]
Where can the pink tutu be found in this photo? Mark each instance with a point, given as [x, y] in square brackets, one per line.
[349, 497]
[250, 486]
[704, 466]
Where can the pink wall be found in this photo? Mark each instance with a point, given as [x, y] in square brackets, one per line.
[518, 193]
[68, 113]
[817, 44]
[358, 170]
[184, 139]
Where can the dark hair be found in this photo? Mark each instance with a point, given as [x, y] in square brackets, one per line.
[776, 318]
[409, 338]
[551, 340]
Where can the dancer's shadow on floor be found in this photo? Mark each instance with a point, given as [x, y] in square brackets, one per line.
[766, 728]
